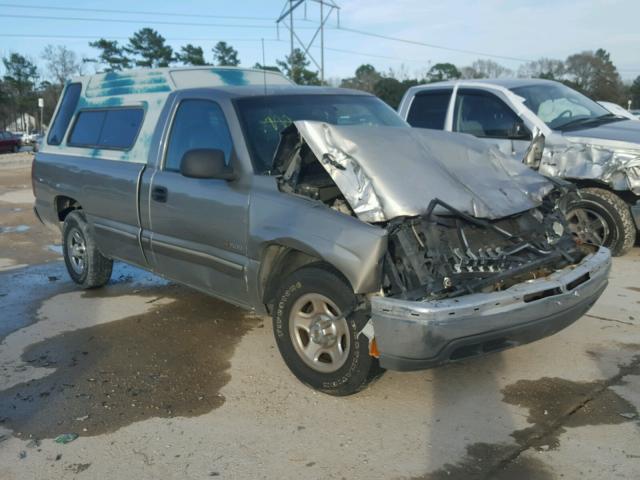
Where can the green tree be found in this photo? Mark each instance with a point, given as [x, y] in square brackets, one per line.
[391, 90]
[225, 55]
[595, 74]
[6, 104]
[112, 55]
[149, 49]
[191, 55]
[295, 66]
[62, 64]
[443, 71]
[366, 77]
[19, 80]
[49, 92]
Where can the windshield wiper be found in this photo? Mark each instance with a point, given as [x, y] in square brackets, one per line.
[607, 117]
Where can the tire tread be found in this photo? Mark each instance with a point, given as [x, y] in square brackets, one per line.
[624, 242]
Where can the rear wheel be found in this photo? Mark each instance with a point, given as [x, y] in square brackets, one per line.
[600, 217]
[319, 344]
[15, 149]
[86, 265]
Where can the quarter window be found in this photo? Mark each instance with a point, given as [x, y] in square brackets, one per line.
[65, 112]
[429, 109]
[197, 124]
[483, 115]
[110, 129]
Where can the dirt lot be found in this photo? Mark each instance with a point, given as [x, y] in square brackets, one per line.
[162, 382]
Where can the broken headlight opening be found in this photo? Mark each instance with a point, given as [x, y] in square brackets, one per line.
[303, 174]
[448, 255]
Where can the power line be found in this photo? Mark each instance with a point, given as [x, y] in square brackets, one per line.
[132, 12]
[374, 55]
[248, 26]
[430, 45]
[112, 37]
[236, 25]
[207, 39]
[190, 39]
[146, 21]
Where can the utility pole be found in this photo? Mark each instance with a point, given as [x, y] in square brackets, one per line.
[321, 42]
[41, 107]
[291, 8]
[287, 11]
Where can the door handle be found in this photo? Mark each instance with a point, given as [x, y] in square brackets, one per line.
[159, 194]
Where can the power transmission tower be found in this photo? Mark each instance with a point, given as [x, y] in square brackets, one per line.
[327, 7]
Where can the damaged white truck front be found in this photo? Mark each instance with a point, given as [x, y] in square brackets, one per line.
[477, 256]
[585, 144]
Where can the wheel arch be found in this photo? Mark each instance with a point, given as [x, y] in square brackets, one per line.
[64, 205]
[278, 260]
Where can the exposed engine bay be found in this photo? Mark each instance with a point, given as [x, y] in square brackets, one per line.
[304, 175]
[444, 256]
[445, 252]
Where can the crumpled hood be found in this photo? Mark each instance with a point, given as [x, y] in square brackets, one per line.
[388, 172]
[620, 131]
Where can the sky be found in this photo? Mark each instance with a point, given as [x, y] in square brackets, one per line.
[509, 30]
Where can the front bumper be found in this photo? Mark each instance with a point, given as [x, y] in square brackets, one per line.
[414, 335]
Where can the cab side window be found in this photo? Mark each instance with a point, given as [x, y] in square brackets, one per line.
[483, 115]
[197, 124]
[429, 109]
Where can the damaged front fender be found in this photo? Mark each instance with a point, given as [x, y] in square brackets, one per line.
[617, 167]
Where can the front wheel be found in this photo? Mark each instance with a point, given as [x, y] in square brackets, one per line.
[321, 345]
[602, 218]
[86, 265]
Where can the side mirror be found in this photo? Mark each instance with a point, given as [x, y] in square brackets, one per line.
[533, 155]
[205, 163]
[519, 131]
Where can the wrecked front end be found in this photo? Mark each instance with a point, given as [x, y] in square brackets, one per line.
[479, 255]
[457, 287]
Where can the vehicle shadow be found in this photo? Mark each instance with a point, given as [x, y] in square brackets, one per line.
[471, 425]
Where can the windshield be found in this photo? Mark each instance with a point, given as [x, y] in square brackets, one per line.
[264, 117]
[560, 106]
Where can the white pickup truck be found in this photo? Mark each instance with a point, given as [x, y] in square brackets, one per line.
[581, 142]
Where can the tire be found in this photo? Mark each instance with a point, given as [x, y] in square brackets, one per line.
[600, 217]
[343, 365]
[86, 265]
[15, 149]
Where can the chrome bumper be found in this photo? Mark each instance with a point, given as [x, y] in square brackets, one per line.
[413, 335]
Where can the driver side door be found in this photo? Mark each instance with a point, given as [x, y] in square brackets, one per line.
[198, 226]
[484, 115]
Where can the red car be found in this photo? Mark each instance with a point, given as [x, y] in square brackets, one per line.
[9, 142]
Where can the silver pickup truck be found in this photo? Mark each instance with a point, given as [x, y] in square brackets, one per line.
[372, 244]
